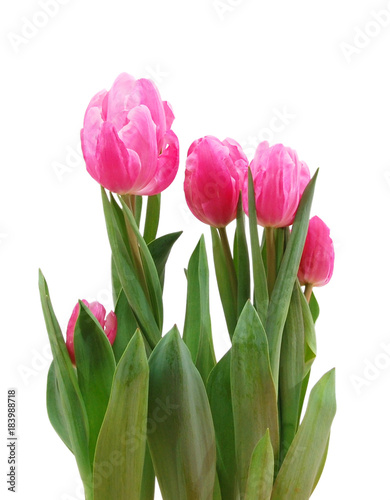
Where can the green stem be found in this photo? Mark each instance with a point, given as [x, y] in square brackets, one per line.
[271, 258]
[308, 291]
[229, 261]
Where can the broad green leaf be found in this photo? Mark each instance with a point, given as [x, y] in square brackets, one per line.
[310, 334]
[120, 449]
[128, 277]
[74, 411]
[220, 398]
[181, 434]
[148, 477]
[127, 325]
[160, 249]
[299, 472]
[149, 267]
[197, 326]
[292, 372]
[261, 471]
[241, 261]
[95, 364]
[254, 400]
[322, 465]
[152, 217]
[314, 307]
[259, 276]
[229, 302]
[115, 281]
[280, 299]
[55, 409]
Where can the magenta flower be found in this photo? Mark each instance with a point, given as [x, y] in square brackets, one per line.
[279, 179]
[317, 262]
[127, 141]
[109, 324]
[214, 176]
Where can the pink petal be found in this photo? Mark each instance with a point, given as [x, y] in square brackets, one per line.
[169, 116]
[167, 166]
[89, 134]
[111, 326]
[70, 330]
[119, 100]
[116, 168]
[98, 311]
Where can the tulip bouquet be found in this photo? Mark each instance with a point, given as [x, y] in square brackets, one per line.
[133, 404]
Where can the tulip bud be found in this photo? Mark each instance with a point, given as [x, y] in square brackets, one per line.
[127, 141]
[279, 179]
[316, 267]
[214, 176]
[109, 324]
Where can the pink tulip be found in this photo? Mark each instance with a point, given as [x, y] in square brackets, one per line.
[316, 267]
[279, 179]
[214, 176]
[109, 324]
[127, 141]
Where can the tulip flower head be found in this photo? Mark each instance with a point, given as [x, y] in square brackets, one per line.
[279, 179]
[109, 324]
[127, 141]
[317, 262]
[214, 176]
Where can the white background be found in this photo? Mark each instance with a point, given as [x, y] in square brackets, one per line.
[228, 68]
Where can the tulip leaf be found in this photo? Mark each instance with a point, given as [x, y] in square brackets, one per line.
[305, 458]
[261, 471]
[55, 409]
[160, 249]
[241, 261]
[181, 434]
[254, 400]
[120, 449]
[314, 307]
[127, 325]
[138, 209]
[280, 299]
[128, 277]
[197, 326]
[149, 267]
[259, 276]
[152, 217]
[115, 281]
[148, 477]
[220, 398]
[229, 303]
[292, 372]
[95, 364]
[74, 412]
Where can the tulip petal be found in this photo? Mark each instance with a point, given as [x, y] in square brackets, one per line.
[119, 101]
[89, 135]
[111, 327]
[169, 116]
[167, 166]
[99, 311]
[117, 168]
[139, 136]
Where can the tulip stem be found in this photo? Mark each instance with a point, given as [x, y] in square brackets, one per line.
[229, 261]
[271, 258]
[308, 291]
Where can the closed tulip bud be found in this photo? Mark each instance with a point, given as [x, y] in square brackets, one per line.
[214, 176]
[279, 179]
[316, 267]
[127, 141]
[108, 324]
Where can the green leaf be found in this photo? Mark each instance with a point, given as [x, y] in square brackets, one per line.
[220, 398]
[261, 471]
[152, 217]
[148, 477]
[95, 364]
[314, 307]
[197, 326]
[254, 400]
[151, 276]
[120, 450]
[299, 472]
[115, 281]
[259, 276]
[226, 293]
[241, 261]
[55, 408]
[74, 411]
[128, 277]
[160, 249]
[181, 434]
[127, 325]
[138, 209]
[280, 299]
[292, 372]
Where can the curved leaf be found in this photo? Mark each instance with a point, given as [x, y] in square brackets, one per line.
[261, 471]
